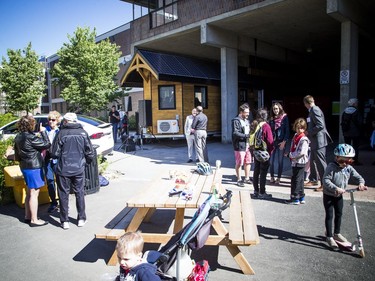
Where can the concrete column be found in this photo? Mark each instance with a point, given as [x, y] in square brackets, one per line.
[229, 91]
[349, 64]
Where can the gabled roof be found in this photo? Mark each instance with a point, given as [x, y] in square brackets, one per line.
[171, 67]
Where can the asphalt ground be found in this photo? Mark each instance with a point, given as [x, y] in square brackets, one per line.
[291, 237]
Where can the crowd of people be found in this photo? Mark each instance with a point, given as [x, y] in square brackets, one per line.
[263, 143]
[58, 151]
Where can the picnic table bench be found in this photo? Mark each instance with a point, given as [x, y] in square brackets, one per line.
[140, 208]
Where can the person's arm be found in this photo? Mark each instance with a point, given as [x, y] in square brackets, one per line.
[237, 131]
[268, 137]
[331, 188]
[89, 150]
[186, 128]
[40, 143]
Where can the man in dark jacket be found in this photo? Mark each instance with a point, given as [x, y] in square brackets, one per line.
[351, 121]
[72, 148]
[240, 141]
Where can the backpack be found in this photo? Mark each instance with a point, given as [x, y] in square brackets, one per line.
[256, 138]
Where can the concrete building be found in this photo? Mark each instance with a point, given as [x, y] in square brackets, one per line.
[267, 50]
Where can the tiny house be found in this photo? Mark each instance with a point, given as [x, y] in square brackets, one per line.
[172, 86]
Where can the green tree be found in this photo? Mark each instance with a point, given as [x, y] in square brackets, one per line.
[22, 80]
[86, 71]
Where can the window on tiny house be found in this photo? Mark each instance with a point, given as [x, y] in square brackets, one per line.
[167, 97]
[200, 96]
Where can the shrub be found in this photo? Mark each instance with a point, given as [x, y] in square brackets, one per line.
[6, 118]
[132, 123]
[5, 193]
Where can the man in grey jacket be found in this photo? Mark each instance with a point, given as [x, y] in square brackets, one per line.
[72, 148]
[319, 138]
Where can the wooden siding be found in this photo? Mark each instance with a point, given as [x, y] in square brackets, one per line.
[184, 104]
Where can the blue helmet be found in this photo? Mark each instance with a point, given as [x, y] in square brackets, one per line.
[344, 150]
[203, 168]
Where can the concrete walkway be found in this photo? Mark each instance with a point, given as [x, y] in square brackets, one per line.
[291, 237]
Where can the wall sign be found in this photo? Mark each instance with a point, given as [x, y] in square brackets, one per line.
[344, 77]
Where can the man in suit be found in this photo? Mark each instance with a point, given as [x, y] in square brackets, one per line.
[319, 138]
[199, 128]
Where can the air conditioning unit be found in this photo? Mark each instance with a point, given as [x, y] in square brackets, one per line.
[168, 126]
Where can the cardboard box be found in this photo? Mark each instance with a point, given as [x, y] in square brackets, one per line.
[14, 179]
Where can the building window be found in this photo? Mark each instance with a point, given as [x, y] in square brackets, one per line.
[165, 13]
[200, 96]
[243, 96]
[167, 97]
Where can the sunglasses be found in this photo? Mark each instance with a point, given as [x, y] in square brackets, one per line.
[52, 119]
[345, 161]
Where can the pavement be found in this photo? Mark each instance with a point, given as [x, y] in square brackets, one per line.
[291, 237]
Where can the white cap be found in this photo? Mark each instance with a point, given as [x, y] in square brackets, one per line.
[70, 117]
[352, 102]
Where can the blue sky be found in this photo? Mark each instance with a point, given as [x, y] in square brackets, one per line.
[46, 23]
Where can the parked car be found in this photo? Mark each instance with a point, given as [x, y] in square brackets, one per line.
[100, 133]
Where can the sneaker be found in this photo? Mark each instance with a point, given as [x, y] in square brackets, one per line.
[265, 196]
[248, 181]
[311, 183]
[332, 243]
[65, 225]
[52, 208]
[339, 237]
[277, 181]
[240, 183]
[190, 160]
[255, 195]
[81, 223]
[302, 200]
[292, 202]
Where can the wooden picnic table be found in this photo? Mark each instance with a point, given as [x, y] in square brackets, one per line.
[140, 208]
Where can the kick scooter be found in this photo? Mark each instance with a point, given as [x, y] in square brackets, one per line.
[352, 246]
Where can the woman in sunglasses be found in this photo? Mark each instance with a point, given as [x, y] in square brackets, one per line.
[335, 181]
[52, 129]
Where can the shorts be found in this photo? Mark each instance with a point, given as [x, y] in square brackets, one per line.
[242, 157]
[34, 178]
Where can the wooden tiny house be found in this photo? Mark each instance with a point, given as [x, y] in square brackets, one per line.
[174, 85]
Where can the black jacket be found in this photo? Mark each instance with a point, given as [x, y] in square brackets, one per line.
[72, 148]
[28, 147]
[239, 138]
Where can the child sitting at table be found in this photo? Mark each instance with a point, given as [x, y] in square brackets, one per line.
[132, 267]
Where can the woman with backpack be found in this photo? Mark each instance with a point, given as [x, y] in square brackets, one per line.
[261, 153]
[279, 123]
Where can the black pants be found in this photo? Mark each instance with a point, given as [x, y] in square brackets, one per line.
[77, 184]
[333, 204]
[353, 141]
[260, 176]
[297, 186]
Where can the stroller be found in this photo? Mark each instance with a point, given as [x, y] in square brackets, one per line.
[172, 260]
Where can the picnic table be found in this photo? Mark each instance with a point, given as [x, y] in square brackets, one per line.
[140, 208]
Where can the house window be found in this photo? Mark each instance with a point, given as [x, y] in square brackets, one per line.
[167, 97]
[200, 96]
[165, 13]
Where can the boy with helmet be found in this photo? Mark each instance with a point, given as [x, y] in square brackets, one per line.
[335, 181]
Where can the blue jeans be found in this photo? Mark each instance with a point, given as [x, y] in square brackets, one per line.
[49, 169]
[114, 131]
[277, 155]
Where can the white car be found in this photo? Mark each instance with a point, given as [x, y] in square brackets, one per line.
[100, 133]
